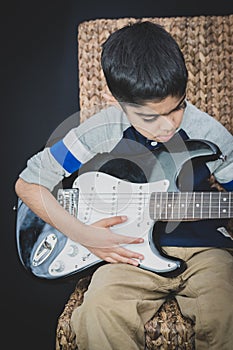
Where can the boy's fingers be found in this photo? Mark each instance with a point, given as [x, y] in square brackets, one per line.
[108, 222]
[119, 239]
[118, 258]
[133, 240]
[129, 254]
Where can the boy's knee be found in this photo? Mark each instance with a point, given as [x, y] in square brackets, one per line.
[95, 299]
[90, 310]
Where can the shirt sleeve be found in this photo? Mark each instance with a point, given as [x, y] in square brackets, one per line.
[223, 169]
[200, 125]
[98, 134]
[43, 169]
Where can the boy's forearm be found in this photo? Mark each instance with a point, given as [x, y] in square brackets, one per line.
[97, 237]
[40, 200]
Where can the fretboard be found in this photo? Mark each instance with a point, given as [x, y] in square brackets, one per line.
[190, 205]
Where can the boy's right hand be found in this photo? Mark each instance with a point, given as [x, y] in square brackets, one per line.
[108, 245]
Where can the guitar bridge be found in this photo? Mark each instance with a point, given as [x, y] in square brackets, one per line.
[68, 199]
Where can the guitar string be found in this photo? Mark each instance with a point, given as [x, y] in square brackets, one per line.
[101, 198]
[180, 202]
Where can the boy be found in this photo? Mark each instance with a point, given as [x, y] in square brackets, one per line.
[146, 74]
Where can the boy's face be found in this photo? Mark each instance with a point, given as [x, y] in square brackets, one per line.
[157, 121]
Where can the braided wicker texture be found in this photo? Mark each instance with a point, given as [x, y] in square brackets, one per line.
[65, 337]
[167, 330]
[207, 44]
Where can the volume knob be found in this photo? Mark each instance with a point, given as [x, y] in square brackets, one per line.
[72, 250]
[59, 266]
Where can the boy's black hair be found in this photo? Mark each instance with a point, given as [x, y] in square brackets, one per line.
[143, 62]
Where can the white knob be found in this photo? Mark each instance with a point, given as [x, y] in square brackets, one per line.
[58, 266]
[72, 250]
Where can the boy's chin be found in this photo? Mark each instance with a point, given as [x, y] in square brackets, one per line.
[164, 138]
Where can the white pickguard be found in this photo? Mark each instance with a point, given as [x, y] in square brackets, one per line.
[100, 196]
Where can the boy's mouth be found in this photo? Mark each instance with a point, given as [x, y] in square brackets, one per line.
[165, 138]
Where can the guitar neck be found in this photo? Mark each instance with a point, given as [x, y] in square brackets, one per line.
[190, 205]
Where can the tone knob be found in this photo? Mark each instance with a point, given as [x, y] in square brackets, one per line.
[59, 266]
[72, 250]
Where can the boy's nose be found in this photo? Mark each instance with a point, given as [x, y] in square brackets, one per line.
[167, 129]
[167, 125]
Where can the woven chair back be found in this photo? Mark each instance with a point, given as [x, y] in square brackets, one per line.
[207, 45]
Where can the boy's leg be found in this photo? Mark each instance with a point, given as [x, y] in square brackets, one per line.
[118, 302]
[121, 298]
[207, 298]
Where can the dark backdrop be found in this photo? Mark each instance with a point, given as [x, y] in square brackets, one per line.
[39, 89]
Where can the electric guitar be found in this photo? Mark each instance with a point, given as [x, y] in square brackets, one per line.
[48, 254]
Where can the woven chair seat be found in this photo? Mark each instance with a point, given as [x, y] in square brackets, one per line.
[168, 329]
[207, 45]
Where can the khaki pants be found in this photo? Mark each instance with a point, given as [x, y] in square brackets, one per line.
[122, 298]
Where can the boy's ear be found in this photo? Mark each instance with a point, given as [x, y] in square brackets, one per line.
[110, 99]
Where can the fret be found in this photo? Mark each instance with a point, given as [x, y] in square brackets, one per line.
[176, 199]
[224, 205]
[173, 204]
[170, 205]
[205, 205]
[215, 205]
[201, 205]
[210, 205]
[194, 204]
[219, 204]
[190, 205]
[162, 205]
[229, 212]
[197, 205]
[158, 207]
[166, 204]
[183, 203]
[179, 205]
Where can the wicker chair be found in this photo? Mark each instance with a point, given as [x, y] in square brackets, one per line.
[207, 44]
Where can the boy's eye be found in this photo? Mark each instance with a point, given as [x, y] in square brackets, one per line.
[150, 119]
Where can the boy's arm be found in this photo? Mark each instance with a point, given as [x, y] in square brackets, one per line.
[98, 238]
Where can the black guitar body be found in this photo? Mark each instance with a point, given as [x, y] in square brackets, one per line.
[178, 167]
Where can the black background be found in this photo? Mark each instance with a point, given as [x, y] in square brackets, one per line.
[39, 89]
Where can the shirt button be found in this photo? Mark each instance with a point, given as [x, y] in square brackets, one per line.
[154, 143]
